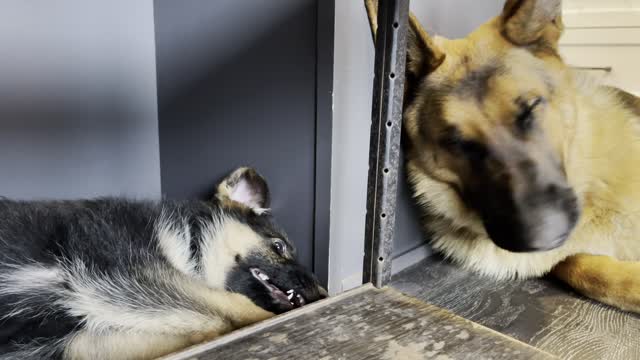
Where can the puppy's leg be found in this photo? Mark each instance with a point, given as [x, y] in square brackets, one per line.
[237, 308]
[603, 278]
[86, 345]
[123, 346]
[201, 311]
[146, 333]
[162, 301]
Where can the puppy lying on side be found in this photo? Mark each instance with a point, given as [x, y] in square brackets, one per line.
[118, 279]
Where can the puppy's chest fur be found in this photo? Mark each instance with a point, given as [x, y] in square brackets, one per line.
[602, 153]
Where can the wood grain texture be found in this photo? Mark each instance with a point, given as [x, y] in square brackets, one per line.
[367, 324]
[542, 313]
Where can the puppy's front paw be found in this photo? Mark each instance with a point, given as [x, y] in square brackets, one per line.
[200, 337]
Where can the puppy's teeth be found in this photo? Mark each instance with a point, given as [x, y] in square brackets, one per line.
[300, 300]
[263, 277]
[290, 291]
[290, 296]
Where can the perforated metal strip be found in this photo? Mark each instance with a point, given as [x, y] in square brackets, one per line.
[384, 151]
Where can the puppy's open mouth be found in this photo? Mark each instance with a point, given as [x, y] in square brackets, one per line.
[289, 298]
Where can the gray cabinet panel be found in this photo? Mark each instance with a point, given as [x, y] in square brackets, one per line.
[78, 99]
[237, 86]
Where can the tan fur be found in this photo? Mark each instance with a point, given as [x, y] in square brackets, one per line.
[592, 131]
[618, 286]
[86, 345]
[231, 239]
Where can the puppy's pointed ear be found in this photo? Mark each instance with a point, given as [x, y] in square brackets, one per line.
[245, 187]
[525, 22]
[423, 56]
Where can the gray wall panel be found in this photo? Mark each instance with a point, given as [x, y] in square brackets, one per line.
[78, 111]
[237, 86]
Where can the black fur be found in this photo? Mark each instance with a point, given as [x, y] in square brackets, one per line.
[111, 237]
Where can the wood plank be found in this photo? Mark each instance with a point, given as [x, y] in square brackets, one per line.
[542, 313]
[365, 324]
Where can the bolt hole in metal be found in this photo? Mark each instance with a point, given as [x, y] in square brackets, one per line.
[392, 75]
[395, 25]
[389, 124]
[383, 215]
[381, 259]
[386, 170]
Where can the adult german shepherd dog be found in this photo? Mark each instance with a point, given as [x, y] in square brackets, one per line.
[118, 279]
[521, 166]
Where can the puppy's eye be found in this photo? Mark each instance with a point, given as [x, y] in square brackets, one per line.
[525, 118]
[279, 246]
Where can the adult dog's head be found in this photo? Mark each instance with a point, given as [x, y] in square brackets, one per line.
[484, 115]
[251, 255]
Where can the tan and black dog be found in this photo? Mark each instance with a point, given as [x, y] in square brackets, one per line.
[521, 166]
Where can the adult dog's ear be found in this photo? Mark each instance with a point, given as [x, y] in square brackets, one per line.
[526, 22]
[423, 56]
[245, 187]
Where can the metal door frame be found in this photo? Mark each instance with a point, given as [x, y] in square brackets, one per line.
[384, 148]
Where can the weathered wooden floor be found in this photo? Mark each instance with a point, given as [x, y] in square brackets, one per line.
[366, 323]
[542, 313]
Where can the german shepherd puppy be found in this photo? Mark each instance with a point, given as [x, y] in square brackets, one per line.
[119, 279]
[521, 166]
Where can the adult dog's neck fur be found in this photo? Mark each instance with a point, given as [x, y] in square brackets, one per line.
[608, 133]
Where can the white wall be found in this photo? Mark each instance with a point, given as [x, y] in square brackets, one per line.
[353, 79]
[604, 34]
[599, 4]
